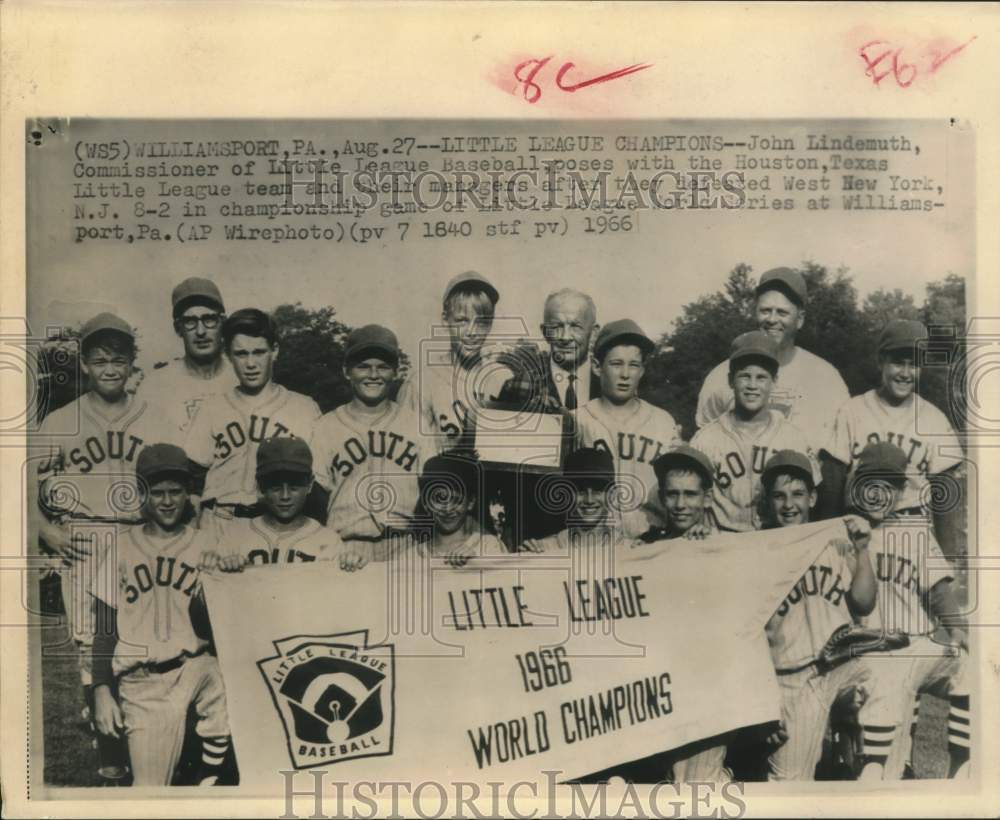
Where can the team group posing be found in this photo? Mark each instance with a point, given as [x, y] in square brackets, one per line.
[212, 466]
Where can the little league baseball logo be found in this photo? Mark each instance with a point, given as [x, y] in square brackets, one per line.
[335, 695]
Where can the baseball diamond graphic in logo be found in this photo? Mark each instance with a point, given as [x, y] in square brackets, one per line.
[335, 695]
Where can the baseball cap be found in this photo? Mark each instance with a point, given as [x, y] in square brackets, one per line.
[450, 464]
[755, 343]
[588, 464]
[622, 330]
[105, 321]
[374, 338]
[470, 280]
[686, 457]
[901, 334]
[788, 281]
[788, 461]
[195, 288]
[162, 459]
[881, 459]
[283, 454]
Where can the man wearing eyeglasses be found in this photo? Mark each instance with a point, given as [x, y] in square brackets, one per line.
[179, 386]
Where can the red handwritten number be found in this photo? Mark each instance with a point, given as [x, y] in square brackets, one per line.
[891, 62]
[526, 72]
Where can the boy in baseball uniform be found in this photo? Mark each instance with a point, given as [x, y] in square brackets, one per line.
[631, 429]
[916, 598]
[180, 385]
[368, 453]
[151, 661]
[895, 413]
[224, 435]
[282, 533]
[838, 587]
[85, 484]
[742, 439]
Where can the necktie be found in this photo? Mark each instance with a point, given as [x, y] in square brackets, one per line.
[571, 393]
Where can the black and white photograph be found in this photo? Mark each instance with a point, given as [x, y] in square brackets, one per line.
[600, 456]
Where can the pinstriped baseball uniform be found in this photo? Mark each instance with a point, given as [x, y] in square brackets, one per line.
[151, 583]
[739, 452]
[263, 545]
[227, 429]
[811, 612]
[634, 442]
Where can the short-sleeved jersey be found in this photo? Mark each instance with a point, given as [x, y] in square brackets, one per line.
[262, 544]
[482, 544]
[572, 540]
[151, 581]
[808, 393]
[179, 393]
[228, 428]
[634, 442]
[443, 392]
[739, 453]
[908, 562]
[90, 450]
[814, 608]
[916, 426]
[370, 465]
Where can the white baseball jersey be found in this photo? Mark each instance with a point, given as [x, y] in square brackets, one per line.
[916, 426]
[151, 582]
[808, 392]
[739, 452]
[370, 465]
[90, 450]
[225, 434]
[479, 543]
[444, 391]
[179, 392]
[262, 544]
[634, 442]
[908, 561]
[814, 608]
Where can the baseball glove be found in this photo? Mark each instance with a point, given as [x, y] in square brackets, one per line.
[849, 641]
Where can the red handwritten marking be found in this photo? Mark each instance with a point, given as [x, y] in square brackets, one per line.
[891, 61]
[526, 72]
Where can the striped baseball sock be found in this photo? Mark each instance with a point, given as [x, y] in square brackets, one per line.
[877, 740]
[958, 732]
[213, 754]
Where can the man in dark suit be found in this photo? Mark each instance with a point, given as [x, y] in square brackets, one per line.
[555, 381]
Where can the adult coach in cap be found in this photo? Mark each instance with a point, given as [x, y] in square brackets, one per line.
[181, 384]
[809, 390]
[893, 412]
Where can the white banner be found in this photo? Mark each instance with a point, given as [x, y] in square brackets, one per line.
[568, 663]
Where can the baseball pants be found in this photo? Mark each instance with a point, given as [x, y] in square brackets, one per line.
[806, 699]
[925, 666]
[155, 707]
[701, 762]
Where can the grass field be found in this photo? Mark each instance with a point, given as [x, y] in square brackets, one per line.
[70, 759]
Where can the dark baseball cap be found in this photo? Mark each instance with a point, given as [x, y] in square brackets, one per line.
[196, 289]
[589, 465]
[901, 334]
[622, 331]
[788, 281]
[161, 460]
[789, 461]
[685, 457]
[104, 322]
[283, 454]
[755, 344]
[442, 469]
[373, 338]
[883, 460]
[470, 280]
